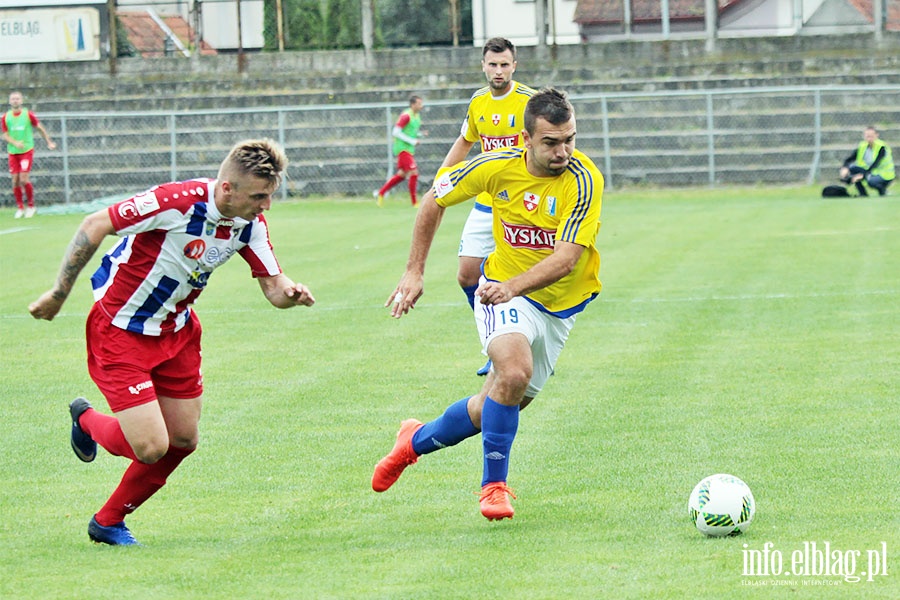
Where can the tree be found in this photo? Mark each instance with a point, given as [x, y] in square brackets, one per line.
[423, 22]
[312, 24]
[343, 24]
[304, 24]
[124, 47]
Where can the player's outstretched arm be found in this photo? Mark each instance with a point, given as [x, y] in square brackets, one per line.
[411, 285]
[88, 238]
[282, 292]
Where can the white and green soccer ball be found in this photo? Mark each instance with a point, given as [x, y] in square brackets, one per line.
[722, 505]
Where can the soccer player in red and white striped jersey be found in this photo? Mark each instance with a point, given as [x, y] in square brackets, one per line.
[143, 338]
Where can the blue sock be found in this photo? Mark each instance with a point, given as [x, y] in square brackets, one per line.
[498, 430]
[449, 429]
[470, 294]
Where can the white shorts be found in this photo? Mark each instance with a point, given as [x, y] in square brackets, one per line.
[478, 233]
[546, 334]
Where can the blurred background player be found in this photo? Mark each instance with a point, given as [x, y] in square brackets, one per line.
[18, 126]
[143, 337]
[542, 273]
[406, 138]
[871, 163]
[493, 119]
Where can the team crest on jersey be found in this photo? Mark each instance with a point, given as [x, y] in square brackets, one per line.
[551, 206]
[495, 119]
[503, 196]
[531, 201]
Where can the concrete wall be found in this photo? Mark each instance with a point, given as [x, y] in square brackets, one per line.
[435, 61]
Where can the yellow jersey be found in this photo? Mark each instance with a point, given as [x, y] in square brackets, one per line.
[530, 214]
[496, 123]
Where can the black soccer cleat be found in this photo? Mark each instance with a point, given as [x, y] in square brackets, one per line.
[83, 445]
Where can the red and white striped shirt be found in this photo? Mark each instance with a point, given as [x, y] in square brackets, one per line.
[173, 239]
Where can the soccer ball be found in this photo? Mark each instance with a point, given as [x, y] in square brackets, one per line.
[722, 505]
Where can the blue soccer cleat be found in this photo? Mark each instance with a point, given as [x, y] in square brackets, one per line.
[485, 369]
[114, 535]
[84, 446]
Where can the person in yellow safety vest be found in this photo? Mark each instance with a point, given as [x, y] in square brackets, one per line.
[871, 163]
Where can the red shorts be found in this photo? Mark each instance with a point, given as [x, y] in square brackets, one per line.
[132, 369]
[21, 163]
[406, 162]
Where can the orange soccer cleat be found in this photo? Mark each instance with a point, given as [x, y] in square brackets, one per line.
[495, 503]
[389, 468]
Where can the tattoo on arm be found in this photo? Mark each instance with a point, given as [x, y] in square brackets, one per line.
[80, 251]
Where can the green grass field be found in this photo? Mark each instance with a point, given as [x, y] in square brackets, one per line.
[747, 331]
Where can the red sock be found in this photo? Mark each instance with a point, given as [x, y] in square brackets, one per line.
[17, 192]
[390, 183]
[106, 431]
[29, 193]
[413, 180]
[138, 484]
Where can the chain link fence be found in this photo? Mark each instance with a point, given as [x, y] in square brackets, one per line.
[765, 136]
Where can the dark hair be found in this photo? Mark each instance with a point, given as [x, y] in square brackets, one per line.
[413, 98]
[549, 104]
[498, 45]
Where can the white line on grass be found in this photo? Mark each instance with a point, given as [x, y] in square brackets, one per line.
[15, 230]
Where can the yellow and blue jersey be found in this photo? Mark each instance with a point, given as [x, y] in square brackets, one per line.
[530, 215]
[496, 123]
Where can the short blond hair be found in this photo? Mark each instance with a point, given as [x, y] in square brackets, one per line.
[263, 158]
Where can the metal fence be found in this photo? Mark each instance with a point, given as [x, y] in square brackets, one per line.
[775, 135]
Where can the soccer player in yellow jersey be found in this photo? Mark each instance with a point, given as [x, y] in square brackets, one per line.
[493, 120]
[543, 272]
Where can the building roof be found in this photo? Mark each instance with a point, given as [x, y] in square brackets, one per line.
[606, 11]
[589, 12]
[149, 40]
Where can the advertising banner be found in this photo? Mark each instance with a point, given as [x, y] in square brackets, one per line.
[49, 35]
